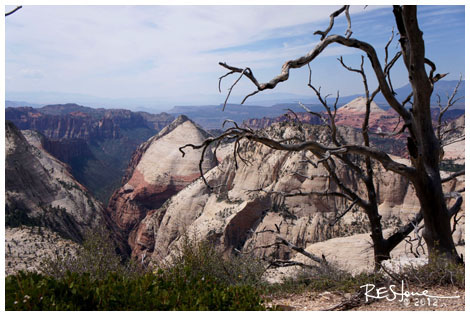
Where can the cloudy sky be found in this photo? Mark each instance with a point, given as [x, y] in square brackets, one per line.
[161, 56]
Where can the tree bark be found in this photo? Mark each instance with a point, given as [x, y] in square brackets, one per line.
[427, 179]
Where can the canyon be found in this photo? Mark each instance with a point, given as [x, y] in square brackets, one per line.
[46, 209]
[152, 196]
[96, 143]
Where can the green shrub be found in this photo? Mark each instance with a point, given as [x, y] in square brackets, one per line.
[96, 256]
[438, 272]
[159, 291]
[199, 278]
[203, 259]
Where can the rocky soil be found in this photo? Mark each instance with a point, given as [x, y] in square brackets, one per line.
[323, 301]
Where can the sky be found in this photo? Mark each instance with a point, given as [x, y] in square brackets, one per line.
[156, 57]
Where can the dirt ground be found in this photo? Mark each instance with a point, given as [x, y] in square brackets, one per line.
[309, 301]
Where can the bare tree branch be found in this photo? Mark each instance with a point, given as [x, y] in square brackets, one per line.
[301, 193]
[278, 263]
[457, 205]
[13, 11]
[300, 250]
[332, 20]
[304, 60]
[453, 176]
[456, 221]
[452, 141]
[233, 85]
[394, 239]
[450, 102]
[418, 237]
[343, 213]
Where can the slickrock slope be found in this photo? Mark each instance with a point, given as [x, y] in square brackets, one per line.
[237, 214]
[40, 189]
[27, 247]
[455, 150]
[156, 172]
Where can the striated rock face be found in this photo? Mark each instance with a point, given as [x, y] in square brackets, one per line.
[237, 214]
[260, 123]
[71, 121]
[156, 172]
[352, 114]
[67, 150]
[39, 189]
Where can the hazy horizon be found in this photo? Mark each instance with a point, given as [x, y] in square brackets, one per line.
[144, 56]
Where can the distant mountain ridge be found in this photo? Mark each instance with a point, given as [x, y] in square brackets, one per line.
[212, 116]
[352, 115]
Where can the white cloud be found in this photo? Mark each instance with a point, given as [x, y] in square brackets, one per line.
[126, 51]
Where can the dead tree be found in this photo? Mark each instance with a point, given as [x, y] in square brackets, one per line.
[423, 145]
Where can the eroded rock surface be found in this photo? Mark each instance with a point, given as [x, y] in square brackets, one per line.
[27, 247]
[39, 189]
[239, 213]
[156, 172]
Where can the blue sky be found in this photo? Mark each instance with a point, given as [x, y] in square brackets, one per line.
[161, 56]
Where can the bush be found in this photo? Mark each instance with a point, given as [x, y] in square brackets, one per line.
[438, 272]
[199, 278]
[32, 291]
[96, 256]
[203, 259]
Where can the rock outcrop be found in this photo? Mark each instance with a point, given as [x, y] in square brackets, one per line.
[454, 131]
[240, 213]
[27, 247]
[156, 172]
[260, 123]
[351, 114]
[40, 191]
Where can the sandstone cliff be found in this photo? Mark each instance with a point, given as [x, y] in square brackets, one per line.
[237, 213]
[156, 172]
[39, 189]
[72, 121]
